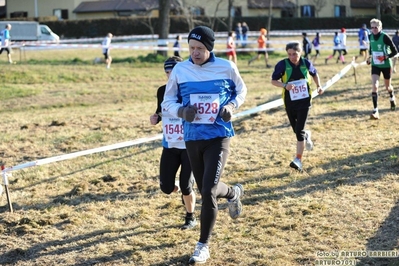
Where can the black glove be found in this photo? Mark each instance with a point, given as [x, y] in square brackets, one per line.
[187, 113]
[226, 112]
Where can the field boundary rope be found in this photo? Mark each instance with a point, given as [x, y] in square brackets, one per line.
[6, 172]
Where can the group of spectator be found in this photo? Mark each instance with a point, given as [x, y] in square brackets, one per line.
[241, 32]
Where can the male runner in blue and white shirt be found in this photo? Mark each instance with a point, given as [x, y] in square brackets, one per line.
[211, 88]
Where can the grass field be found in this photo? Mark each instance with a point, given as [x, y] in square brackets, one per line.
[107, 208]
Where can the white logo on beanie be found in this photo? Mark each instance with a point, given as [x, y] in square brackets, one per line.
[196, 36]
[204, 35]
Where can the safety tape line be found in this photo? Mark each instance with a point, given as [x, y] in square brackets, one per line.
[153, 47]
[172, 36]
[263, 107]
[6, 172]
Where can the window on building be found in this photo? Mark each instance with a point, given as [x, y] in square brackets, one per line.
[339, 11]
[236, 12]
[307, 11]
[61, 13]
[388, 10]
[197, 11]
[3, 11]
[19, 14]
[125, 13]
[288, 13]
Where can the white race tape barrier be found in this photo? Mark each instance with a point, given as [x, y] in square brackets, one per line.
[263, 107]
[85, 152]
[154, 47]
[279, 102]
[136, 41]
[218, 35]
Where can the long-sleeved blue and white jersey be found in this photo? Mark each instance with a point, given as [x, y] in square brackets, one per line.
[209, 87]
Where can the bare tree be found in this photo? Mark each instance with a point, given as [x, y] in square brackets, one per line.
[164, 23]
[215, 18]
[147, 14]
[381, 6]
[230, 17]
[148, 8]
[269, 19]
[378, 9]
[318, 6]
[185, 11]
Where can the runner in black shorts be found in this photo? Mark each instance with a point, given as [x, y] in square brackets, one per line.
[174, 154]
[380, 60]
[295, 74]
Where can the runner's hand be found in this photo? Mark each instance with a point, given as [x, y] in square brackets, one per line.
[187, 113]
[226, 112]
[154, 119]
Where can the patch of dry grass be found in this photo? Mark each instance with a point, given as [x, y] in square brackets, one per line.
[107, 209]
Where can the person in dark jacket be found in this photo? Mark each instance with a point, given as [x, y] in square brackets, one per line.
[295, 75]
[174, 153]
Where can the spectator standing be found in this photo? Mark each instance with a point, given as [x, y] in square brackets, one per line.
[176, 46]
[106, 44]
[211, 89]
[245, 30]
[174, 154]
[395, 40]
[381, 50]
[262, 44]
[238, 31]
[295, 74]
[6, 42]
[231, 47]
[307, 45]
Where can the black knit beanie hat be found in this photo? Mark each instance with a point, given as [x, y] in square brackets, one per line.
[204, 35]
[171, 62]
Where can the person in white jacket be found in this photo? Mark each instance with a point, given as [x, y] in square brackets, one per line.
[342, 37]
[210, 89]
[106, 44]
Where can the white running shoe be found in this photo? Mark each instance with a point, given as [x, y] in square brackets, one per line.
[200, 255]
[375, 115]
[309, 142]
[296, 164]
[235, 205]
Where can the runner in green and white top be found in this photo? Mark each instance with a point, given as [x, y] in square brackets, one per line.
[295, 74]
[382, 49]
